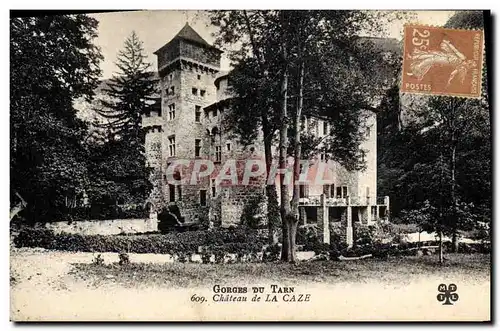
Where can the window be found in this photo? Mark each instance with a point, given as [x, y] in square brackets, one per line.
[197, 114]
[228, 147]
[214, 188]
[339, 192]
[194, 91]
[197, 147]
[215, 112]
[325, 128]
[323, 156]
[344, 191]
[203, 198]
[202, 93]
[218, 154]
[332, 190]
[179, 192]
[326, 190]
[171, 145]
[172, 90]
[171, 111]
[199, 77]
[171, 193]
[302, 191]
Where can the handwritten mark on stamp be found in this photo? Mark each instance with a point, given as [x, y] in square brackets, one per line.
[439, 61]
[447, 294]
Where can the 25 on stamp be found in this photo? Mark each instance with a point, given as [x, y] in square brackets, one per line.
[439, 61]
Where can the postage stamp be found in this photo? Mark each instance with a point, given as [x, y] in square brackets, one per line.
[439, 61]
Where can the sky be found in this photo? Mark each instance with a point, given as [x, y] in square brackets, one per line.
[156, 27]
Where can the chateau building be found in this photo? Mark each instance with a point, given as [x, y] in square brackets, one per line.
[188, 126]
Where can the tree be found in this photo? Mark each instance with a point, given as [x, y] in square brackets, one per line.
[333, 86]
[53, 62]
[118, 164]
[131, 91]
[254, 86]
[441, 156]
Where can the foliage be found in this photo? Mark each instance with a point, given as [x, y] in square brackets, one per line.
[98, 260]
[53, 62]
[124, 259]
[307, 234]
[364, 234]
[272, 253]
[312, 60]
[466, 19]
[232, 241]
[436, 165]
[130, 90]
[253, 215]
[118, 162]
[100, 212]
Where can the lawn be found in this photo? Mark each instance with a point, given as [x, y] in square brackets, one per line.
[183, 275]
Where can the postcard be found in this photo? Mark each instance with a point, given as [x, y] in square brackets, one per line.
[250, 165]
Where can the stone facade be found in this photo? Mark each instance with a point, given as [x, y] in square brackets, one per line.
[189, 126]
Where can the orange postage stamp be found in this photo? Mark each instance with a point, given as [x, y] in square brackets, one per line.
[440, 61]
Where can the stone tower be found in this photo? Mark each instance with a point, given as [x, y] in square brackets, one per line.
[187, 68]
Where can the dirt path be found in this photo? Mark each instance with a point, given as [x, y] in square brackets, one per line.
[44, 289]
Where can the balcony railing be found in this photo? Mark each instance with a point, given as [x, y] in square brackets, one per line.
[315, 200]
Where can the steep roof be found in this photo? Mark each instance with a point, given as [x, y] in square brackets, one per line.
[189, 34]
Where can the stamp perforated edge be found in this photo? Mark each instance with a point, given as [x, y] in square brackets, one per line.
[456, 95]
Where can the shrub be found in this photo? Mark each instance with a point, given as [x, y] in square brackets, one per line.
[98, 260]
[253, 214]
[364, 234]
[307, 234]
[272, 253]
[205, 257]
[219, 255]
[232, 240]
[124, 259]
[183, 257]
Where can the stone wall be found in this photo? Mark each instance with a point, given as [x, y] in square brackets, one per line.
[105, 227]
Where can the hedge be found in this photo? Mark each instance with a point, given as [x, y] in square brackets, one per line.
[379, 250]
[153, 243]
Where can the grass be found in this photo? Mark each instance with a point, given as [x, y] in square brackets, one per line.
[182, 275]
